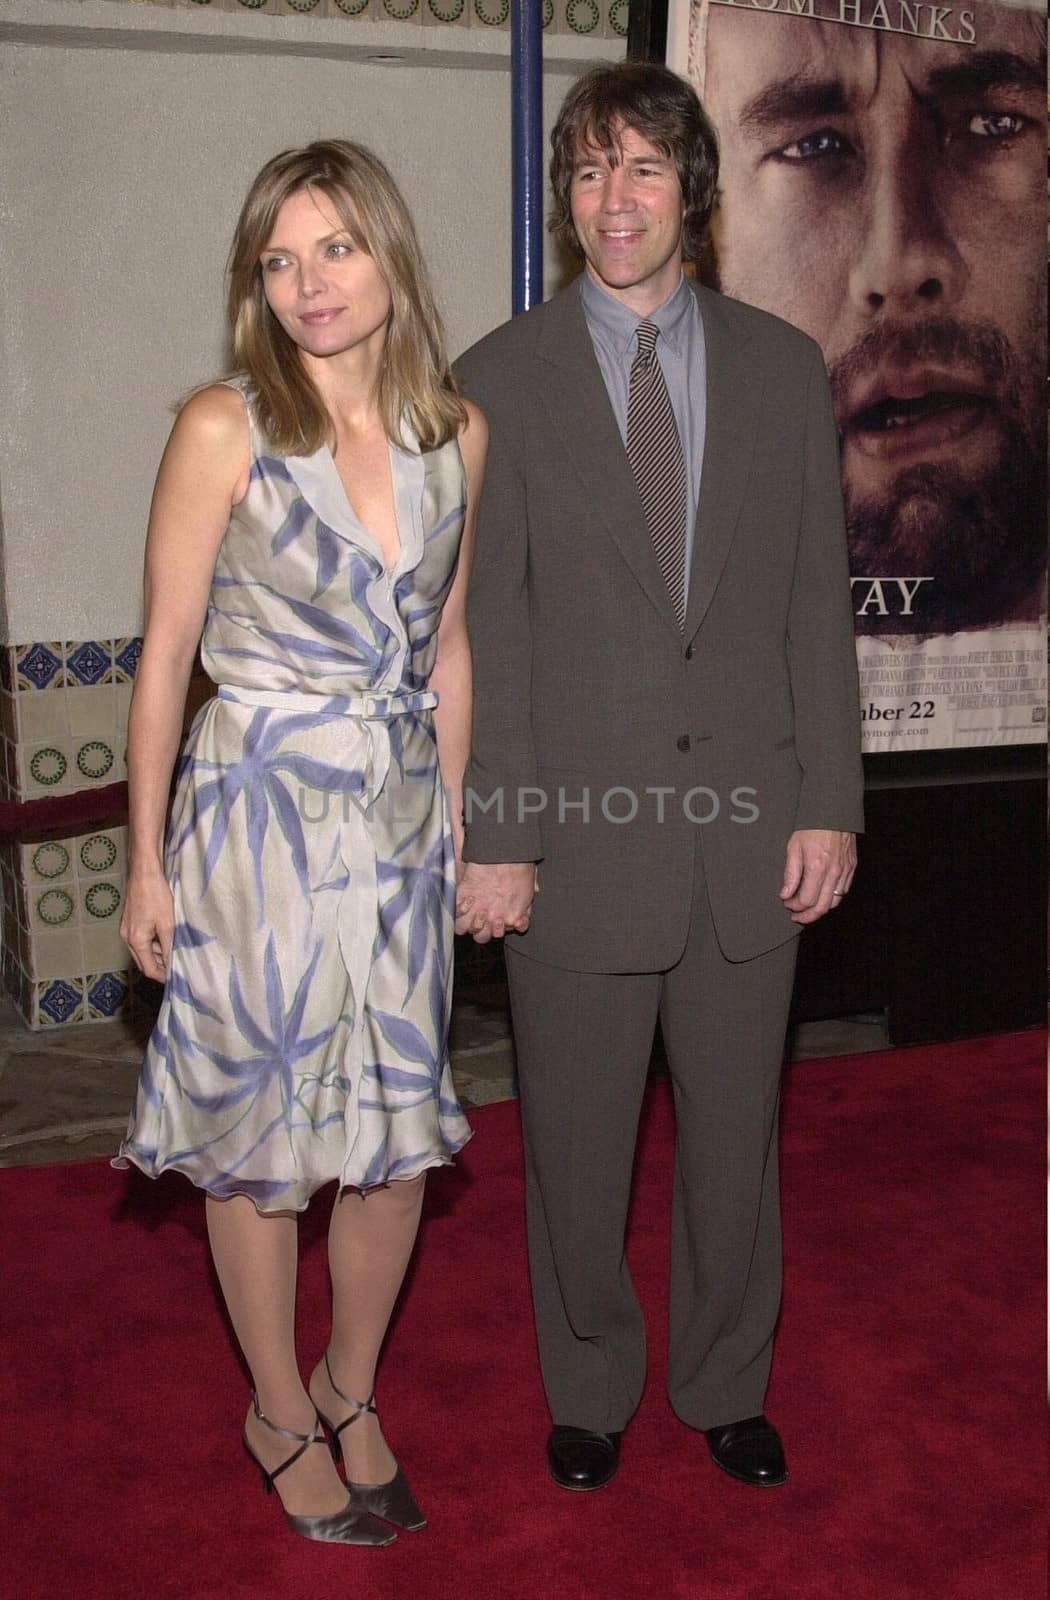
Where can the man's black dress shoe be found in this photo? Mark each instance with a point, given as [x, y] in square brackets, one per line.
[579, 1459]
[749, 1450]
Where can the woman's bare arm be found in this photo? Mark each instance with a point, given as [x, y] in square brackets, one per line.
[203, 473]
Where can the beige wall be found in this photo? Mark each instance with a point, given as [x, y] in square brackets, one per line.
[121, 171]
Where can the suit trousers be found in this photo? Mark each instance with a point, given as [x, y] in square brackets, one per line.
[583, 1044]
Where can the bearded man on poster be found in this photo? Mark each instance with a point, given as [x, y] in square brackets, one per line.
[666, 752]
[883, 187]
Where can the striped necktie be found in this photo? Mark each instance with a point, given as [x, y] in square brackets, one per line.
[654, 451]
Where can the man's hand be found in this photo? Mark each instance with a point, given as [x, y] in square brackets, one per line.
[493, 897]
[818, 872]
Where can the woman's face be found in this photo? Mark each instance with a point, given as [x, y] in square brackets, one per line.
[324, 289]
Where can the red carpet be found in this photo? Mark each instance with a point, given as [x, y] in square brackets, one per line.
[908, 1381]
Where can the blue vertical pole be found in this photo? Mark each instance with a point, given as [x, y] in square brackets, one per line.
[526, 90]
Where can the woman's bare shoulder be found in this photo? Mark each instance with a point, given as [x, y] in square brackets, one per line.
[215, 416]
[210, 443]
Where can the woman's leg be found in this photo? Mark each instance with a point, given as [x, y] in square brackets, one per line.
[255, 1258]
[370, 1242]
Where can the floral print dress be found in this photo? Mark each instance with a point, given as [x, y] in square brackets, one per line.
[303, 1032]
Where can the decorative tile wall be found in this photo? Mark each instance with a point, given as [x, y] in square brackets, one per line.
[63, 958]
[63, 729]
[596, 18]
[63, 721]
[63, 715]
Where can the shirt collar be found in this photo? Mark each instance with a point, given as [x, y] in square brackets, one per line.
[618, 323]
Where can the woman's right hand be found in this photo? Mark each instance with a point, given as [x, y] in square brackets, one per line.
[147, 924]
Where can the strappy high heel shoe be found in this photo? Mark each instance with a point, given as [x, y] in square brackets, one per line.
[393, 1501]
[354, 1524]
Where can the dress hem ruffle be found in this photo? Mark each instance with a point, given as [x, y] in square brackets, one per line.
[125, 1159]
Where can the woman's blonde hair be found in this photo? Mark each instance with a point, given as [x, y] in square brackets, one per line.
[415, 383]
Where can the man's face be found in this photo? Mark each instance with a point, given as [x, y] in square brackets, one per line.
[886, 194]
[627, 210]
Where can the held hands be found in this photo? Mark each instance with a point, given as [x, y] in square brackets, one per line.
[494, 897]
[148, 923]
[818, 872]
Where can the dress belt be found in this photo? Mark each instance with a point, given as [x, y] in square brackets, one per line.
[370, 707]
[376, 712]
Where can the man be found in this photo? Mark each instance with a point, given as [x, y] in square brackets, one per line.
[885, 191]
[666, 747]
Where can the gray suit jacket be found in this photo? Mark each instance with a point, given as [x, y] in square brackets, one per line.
[586, 691]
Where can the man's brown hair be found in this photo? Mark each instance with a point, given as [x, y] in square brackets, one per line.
[656, 103]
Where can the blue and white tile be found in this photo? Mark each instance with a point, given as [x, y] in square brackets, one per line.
[126, 653]
[40, 666]
[89, 662]
[58, 1002]
[107, 994]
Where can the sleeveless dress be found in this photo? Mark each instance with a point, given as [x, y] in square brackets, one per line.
[303, 1032]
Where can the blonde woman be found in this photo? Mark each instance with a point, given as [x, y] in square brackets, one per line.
[313, 515]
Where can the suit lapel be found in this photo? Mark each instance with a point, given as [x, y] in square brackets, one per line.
[578, 403]
[733, 385]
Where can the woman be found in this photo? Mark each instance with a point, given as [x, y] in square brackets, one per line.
[314, 516]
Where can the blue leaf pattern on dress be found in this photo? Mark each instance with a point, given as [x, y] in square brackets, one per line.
[303, 1032]
[329, 550]
[299, 514]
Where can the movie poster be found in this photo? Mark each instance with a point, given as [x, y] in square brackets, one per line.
[883, 187]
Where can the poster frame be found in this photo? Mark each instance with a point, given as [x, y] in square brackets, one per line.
[647, 41]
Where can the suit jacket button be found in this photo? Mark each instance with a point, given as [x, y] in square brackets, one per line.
[683, 743]
[689, 652]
